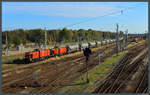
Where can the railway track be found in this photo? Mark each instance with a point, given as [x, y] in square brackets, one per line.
[53, 75]
[20, 66]
[66, 78]
[6, 72]
[139, 80]
[47, 67]
[118, 67]
[143, 85]
[123, 72]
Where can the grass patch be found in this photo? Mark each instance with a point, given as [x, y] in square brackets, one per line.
[97, 73]
[11, 58]
[13, 54]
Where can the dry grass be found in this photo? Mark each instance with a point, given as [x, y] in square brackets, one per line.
[98, 73]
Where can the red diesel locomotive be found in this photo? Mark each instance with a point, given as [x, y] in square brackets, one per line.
[40, 54]
[137, 39]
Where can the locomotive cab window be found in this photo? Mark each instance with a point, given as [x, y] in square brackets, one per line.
[30, 56]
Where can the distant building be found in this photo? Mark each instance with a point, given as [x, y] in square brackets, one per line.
[20, 47]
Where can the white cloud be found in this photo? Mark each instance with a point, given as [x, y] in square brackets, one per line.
[61, 9]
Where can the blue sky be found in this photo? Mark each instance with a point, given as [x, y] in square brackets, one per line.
[55, 15]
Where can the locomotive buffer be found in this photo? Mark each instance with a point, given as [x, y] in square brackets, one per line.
[87, 52]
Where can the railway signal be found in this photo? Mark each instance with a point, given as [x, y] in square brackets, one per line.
[87, 52]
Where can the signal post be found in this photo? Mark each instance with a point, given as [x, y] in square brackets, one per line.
[87, 52]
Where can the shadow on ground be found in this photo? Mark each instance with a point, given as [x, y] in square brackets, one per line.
[18, 61]
[74, 84]
[27, 85]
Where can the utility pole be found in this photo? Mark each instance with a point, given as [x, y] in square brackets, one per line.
[6, 45]
[146, 34]
[45, 38]
[55, 40]
[102, 38]
[117, 40]
[126, 37]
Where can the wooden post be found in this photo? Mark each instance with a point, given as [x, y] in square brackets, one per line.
[35, 78]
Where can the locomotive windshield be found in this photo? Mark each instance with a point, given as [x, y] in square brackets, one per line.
[28, 55]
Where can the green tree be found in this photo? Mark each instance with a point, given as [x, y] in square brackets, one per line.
[68, 35]
[62, 34]
[17, 41]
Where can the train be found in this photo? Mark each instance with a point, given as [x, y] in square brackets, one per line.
[41, 54]
[136, 39]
